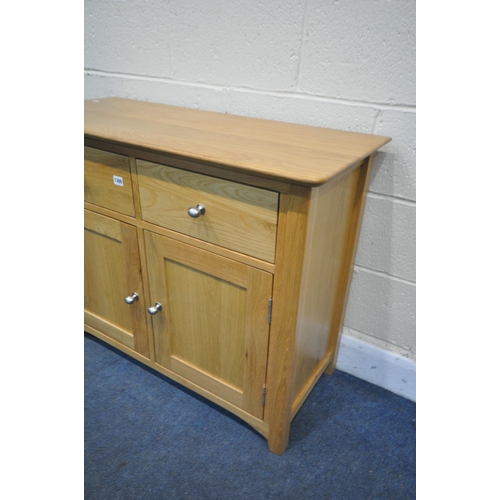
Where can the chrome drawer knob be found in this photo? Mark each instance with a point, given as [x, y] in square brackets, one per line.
[154, 309]
[131, 298]
[196, 211]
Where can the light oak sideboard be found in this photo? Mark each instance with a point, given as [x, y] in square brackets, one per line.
[219, 249]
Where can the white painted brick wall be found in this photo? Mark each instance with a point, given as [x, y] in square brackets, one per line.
[338, 64]
[362, 50]
[240, 43]
[127, 36]
[387, 239]
[395, 169]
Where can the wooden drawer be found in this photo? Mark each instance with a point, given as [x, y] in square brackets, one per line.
[239, 217]
[107, 181]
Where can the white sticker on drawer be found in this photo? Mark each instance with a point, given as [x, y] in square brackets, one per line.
[118, 180]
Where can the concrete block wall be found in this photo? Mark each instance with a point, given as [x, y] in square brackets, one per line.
[329, 63]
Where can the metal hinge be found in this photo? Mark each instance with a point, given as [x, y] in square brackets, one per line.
[269, 310]
[264, 395]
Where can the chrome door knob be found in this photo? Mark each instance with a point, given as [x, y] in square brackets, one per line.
[196, 211]
[131, 298]
[154, 309]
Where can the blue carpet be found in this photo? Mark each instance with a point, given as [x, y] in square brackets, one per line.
[149, 438]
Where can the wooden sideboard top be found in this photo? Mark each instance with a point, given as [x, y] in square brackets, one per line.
[298, 154]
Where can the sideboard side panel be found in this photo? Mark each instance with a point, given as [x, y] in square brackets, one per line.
[345, 279]
[328, 241]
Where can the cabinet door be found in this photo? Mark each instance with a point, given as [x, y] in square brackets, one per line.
[213, 326]
[113, 272]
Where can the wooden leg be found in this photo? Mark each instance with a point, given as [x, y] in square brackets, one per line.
[277, 412]
[292, 229]
[330, 367]
[278, 440]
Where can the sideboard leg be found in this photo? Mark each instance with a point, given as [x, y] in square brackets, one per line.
[278, 441]
[330, 367]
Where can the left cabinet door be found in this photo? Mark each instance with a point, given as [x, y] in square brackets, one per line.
[113, 274]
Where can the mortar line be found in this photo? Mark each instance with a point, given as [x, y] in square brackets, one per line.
[376, 121]
[406, 108]
[300, 62]
[390, 197]
[382, 274]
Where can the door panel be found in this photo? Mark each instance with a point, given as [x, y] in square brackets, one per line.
[213, 327]
[113, 272]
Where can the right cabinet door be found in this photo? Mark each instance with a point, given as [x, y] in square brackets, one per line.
[213, 327]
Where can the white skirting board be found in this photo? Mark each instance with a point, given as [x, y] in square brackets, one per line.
[377, 366]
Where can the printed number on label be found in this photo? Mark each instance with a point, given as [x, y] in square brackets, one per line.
[118, 180]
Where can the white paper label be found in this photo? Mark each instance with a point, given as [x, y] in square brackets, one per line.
[118, 180]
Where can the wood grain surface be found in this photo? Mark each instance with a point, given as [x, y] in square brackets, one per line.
[100, 188]
[239, 217]
[285, 151]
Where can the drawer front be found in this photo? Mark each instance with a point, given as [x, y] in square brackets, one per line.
[107, 181]
[239, 217]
